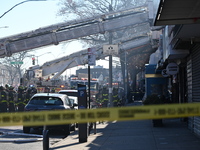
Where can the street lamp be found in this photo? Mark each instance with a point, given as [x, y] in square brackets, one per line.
[41, 55]
[17, 5]
[4, 27]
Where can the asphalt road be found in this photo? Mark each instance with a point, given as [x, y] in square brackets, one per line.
[19, 142]
[13, 138]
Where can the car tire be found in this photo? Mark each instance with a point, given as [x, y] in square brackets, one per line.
[66, 129]
[26, 129]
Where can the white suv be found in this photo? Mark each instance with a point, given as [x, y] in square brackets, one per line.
[69, 92]
[72, 94]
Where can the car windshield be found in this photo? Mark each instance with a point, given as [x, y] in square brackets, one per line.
[69, 93]
[71, 100]
[46, 101]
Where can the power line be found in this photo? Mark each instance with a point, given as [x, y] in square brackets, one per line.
[17, 5]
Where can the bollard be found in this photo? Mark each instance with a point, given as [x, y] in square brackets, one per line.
[83, 132]
[45, 139]
[95, 127]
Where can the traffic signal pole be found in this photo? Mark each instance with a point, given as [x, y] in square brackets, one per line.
[89, 95]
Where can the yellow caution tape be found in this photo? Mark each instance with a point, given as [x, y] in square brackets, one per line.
[91, 115]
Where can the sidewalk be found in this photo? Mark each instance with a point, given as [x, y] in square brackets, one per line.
[134, 135]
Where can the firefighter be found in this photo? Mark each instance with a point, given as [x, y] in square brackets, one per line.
[20, 98]
[11, 99]
[29, 93]
[99, 98]
[3, 100]
[115, 97]
[121, 95]
[46, 90]
[53, 90]
[104, 97]
[7, 86]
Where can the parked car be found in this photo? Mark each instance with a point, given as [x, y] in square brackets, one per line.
[50, 101]
[69, 92]
[74, 101]
[73, 96]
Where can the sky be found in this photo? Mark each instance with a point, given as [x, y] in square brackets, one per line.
[32, 15]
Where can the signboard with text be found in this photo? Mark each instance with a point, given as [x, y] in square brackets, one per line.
[16, 62]
[172, 68]
[110, 49]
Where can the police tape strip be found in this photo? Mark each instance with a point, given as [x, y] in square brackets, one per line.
[108, 114]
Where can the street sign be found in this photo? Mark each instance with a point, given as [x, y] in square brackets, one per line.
[172, 68]
[110, 49]
[164, 73]
[16, 62]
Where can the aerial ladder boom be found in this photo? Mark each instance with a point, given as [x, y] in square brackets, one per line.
[57, 33]
[58, 66]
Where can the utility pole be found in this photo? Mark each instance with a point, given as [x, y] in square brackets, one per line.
[110, 103]
[125, 76]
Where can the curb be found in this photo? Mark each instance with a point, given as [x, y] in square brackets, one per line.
[38, 137]
[21, 141]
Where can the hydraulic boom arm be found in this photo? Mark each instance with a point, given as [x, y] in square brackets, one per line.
[71, 30]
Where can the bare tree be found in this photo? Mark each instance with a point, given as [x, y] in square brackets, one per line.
[80, 9]
[13, 65]
[76, 9]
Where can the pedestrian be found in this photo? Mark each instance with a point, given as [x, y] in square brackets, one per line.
[3, 100]
[11, 99]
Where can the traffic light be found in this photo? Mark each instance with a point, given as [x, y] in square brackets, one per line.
[33, 61]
